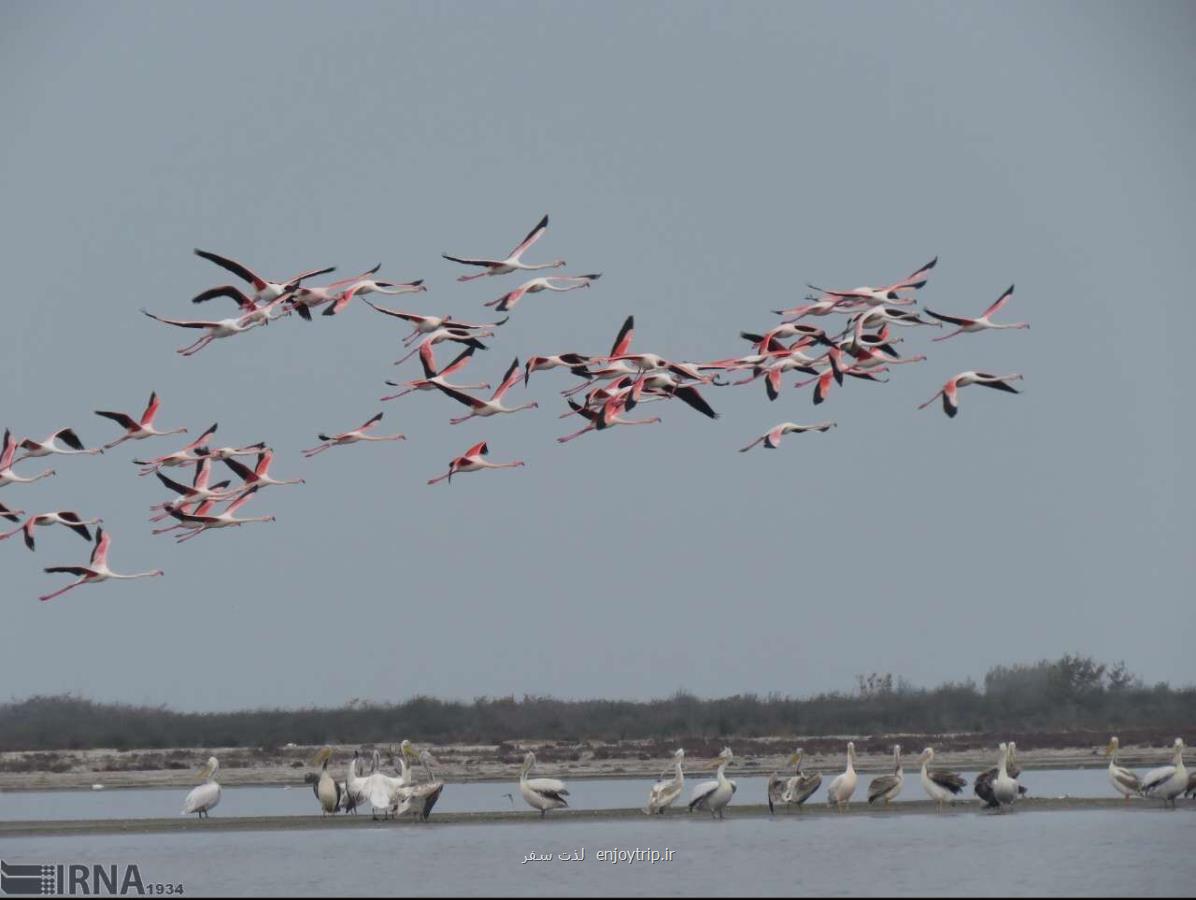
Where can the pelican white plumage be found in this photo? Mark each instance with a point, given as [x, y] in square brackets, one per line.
[886, 788]
[666, 791]
[940, 786]
[417, 798]
[1167, 782]
[1004, 788]
[541, 793]
[355, 785]
[713, 796]
[1123, 780]
[204, 797]
[327, 791]
[842, 786]
[797, 788]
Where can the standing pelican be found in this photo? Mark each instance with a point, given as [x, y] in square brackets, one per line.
[887, 787]
[417, 799]
[941, 786]
[665, 792]
[355, 786]
[204, 797]
[843, 785]
[1004, 787]
[1167, 782]
[541, 793]
[1124, 781]
[713, 796]
[327, 791]
[797, 788]
[983, 786]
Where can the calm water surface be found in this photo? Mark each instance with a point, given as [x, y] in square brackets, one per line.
[485, 796]
[1139, 851]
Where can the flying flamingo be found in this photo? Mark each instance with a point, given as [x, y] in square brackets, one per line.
[7, 475]
[304, 299]
[183, 457]
[352, 437]
[608, 417]
[138, 430]
[544, 283]
[621, 346]
[888, 293]
[428, 324]
[983, 323]
[197, 523]
[464, 336]
[432, 377]
[472, 460]
[195, 495]
[218, 328]
[512, 263]
[493, 406]
[835, 373]
[63, 517]
[96, 570]
[259, 475]
[772, 438]
[265, 291]
[35, 449]
[369, 286]
[663, 384]
[252, 312]
[950, 391]
[574, 362]
[816, 307]
[216, 454]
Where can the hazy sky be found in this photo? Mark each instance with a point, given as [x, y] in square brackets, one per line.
[709, 160]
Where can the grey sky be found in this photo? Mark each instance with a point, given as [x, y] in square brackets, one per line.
[708, 159]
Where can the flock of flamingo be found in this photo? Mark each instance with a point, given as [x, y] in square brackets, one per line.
[609, 386]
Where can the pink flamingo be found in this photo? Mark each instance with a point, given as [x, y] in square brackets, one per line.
[512, 263]
[772, 438]
[259, 475]
[35, 449]
[544, 283]
[950, 391]
[982, 323]
[472, 460]
[369, 286]
[432, 377]
[138, 429]
[183, 457]
[304, 299]
[265, 291]
[888, 293]
[352, 437]
[197, 523]
[195, 495]
[7, 475]
[96, 570]
[63, 517]
[493, 406]
[608, 416]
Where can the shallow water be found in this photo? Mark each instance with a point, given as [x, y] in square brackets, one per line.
[482, 796]
[1141, 851]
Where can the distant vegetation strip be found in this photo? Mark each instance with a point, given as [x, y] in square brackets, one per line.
[1071, 693]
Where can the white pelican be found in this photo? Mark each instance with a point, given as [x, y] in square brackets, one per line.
[541, 793]
[665, 792]
[1167, 782]
[327, 791]
[797, 788]
[713, 796]
[416, 799]
[843, 786]
[887, 787]
[941, 786]
[1004, 788]
[983, 787]
[1124, 781]
[355, 787]
[204, 797]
